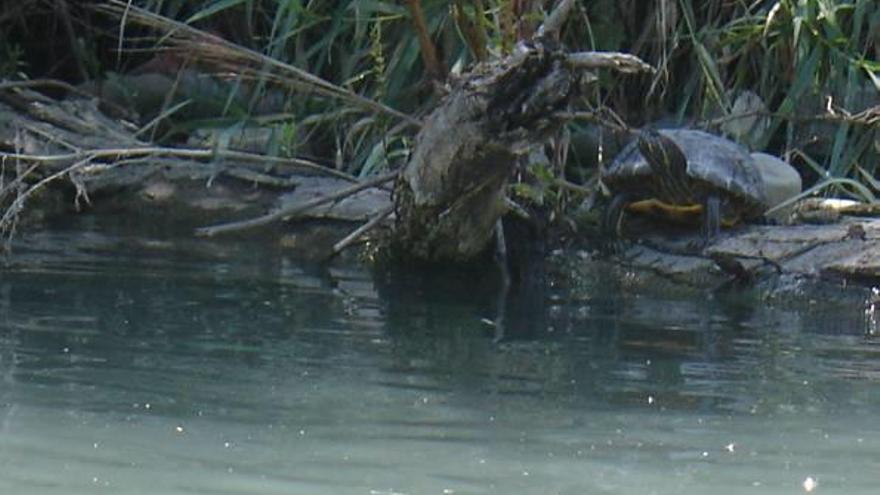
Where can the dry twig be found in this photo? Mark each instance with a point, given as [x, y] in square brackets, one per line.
[556, 19]
[621, 62]
[360, 231]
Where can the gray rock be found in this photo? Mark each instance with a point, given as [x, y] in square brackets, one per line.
[781, 182]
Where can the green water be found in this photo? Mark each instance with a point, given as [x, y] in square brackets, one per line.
[138, 366]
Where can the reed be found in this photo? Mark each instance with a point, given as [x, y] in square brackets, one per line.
[812, 63]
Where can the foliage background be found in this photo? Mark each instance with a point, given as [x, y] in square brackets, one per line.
[813, 65]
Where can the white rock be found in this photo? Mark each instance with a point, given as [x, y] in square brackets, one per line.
[781, 182]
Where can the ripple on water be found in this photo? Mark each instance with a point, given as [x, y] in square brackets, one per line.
[160, 369]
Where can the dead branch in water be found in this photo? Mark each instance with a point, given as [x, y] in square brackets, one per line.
[10, 216]
[148, 152]
[359, 232]
[295, 209]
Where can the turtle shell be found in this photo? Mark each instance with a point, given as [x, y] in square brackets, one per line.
[714, 165]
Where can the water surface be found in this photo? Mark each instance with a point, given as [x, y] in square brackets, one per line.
[141, 366]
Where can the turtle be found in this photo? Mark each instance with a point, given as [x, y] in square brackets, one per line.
[680, 173]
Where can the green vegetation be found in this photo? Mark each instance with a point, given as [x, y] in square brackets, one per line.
[812, 64]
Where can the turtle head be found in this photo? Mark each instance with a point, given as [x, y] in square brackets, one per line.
[662, 154]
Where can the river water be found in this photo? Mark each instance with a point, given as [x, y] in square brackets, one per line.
[139, 365]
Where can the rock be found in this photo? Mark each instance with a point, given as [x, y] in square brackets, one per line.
[849, 249]
[781, 182]
[748, 122]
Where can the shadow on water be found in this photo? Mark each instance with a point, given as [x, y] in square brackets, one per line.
[228, 367]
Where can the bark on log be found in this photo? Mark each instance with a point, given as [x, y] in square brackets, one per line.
[452, 191]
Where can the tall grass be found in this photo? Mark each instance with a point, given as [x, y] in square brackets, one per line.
[813, 63]
[368, 47]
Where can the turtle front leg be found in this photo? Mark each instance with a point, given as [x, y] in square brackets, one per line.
[612, 223]
[612, 220]
[711, 218]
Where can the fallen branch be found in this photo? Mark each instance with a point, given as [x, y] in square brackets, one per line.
[360, 231]
[296, 209]
[8, 220]
[37, 83]
[621, 62]
[159, 151]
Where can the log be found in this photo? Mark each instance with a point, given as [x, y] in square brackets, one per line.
[453, 189]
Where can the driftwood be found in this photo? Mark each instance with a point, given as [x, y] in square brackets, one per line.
[44, 142]
[332, 194]
[453, 190]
